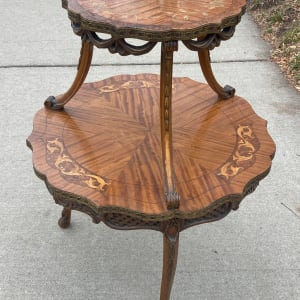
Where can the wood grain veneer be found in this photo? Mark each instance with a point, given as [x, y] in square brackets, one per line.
[155, 19]
[105, 147]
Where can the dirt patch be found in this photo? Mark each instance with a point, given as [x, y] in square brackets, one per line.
[279, 22]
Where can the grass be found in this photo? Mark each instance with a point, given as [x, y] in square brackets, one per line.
[292, 36]
[279, 21]
[277, 16]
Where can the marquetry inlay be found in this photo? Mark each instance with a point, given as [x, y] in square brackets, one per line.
[243, 156]
[151, 151]
[155, 20]
[58, 158]
[159, 10]
[128, 85]
[108, 138]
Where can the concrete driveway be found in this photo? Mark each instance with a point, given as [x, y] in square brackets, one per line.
[253, 253]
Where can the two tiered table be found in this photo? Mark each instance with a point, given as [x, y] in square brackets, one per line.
[151, 151]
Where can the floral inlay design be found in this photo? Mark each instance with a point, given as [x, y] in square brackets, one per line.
[129, 85]
[57, 157]
[243, 156]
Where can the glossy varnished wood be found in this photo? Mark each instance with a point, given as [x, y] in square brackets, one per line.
[149, 151]
[204, 60]
[84, 64]
[170, 254]
[105, 148]
[155, 20]
[166, 71]
[125, 145]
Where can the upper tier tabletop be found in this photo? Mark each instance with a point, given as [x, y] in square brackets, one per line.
[155, 19]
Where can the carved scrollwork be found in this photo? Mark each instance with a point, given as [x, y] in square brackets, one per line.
[119, 45]
[210, 41]
[114, 45]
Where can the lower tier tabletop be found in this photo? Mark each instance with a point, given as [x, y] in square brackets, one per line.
[104, 149]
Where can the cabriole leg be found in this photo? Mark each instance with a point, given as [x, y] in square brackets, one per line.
[224, 92]
[57, 103]
[65, 220]
[170, 242]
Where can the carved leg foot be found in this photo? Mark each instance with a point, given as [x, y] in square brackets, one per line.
[65, 220]
[224, 92]
[171, 242]
[57, 103]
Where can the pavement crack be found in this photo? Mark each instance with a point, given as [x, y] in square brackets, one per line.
[291, 210]
[126, 65]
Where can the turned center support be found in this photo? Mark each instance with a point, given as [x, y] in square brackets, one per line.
[166, 76]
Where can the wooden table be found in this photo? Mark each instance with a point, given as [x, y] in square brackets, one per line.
[149, 151]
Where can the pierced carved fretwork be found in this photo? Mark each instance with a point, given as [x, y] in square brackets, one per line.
[210, 41]
[125, 222]
[113, 44]
[212, 215]
[121, 218]
[119, 45]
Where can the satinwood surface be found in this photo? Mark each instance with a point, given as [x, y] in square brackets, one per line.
[105, 147]
[138, 18]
